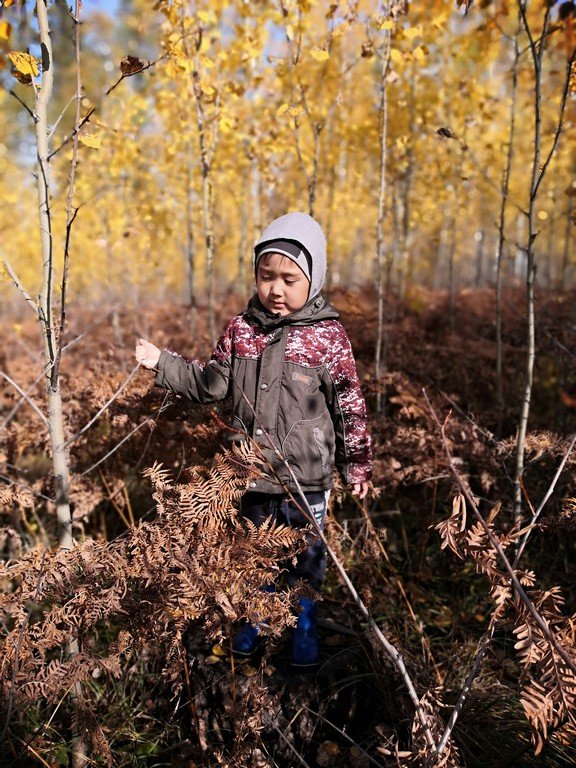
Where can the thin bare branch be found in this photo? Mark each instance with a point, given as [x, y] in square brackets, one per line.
[10, 481]
[104, 408]
[17, 282]
[59, 119]
[163, 405]
[560, 124]
[123, 77]
[292, 748]
[457, 709]
[23, 103]
[542, 504]
[67, 139]
[25, 397]
[345, 736]
[124, 439]
[71, 213]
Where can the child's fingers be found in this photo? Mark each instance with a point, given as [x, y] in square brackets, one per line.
[360, 490]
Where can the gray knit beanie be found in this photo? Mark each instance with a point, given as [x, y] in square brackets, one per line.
[299, 237]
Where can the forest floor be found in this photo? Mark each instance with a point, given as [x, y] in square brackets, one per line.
[440, 368]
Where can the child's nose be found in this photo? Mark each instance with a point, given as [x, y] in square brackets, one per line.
[276, 288]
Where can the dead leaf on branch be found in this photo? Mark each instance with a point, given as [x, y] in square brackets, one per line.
[448, 133]
[466, 3]
[131, 65]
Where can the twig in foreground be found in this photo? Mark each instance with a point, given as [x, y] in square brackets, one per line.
[547, 495]
[104, 408]
[25, 397]
[345, 736]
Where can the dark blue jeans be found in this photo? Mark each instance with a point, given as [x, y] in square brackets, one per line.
[311, 563]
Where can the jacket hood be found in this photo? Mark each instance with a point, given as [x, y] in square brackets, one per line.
[303, 230]
[315, 310]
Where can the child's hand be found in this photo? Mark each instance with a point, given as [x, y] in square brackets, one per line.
[360, 489]
[147, 354]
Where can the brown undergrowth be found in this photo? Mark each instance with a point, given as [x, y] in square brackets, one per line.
[127, 604]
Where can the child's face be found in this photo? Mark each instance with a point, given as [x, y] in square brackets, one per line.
[282, 286]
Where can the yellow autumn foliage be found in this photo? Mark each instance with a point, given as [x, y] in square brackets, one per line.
[291, 112]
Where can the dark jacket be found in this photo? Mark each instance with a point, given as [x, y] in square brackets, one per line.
[293, 382]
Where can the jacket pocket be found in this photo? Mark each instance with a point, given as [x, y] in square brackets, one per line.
[309, 448]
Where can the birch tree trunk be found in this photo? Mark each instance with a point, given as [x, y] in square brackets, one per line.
[190, 255]
[536, 48]
[45, 307]
[52, 336]
[567, 241]
[540, 165]
[501, 230]
[383, 124]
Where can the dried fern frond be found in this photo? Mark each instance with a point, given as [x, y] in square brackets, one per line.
[549, 693]
[452, 530]
[16, 494]
[431, 705]
[197, 561]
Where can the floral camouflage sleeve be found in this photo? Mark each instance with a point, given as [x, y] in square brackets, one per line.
[354, 450]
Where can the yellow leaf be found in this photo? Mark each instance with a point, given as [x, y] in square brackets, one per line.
[205, 17]
[282, 109]
[8, 3]
[412, 32]
[90, 140]
[296, 111]
[396, 56]
[226, 124]
[172, 69]
[319, 54]
[218, 650]
[5, 30]
[439, 20]
[385, 24]
[170, 13]
[419, 53]
[24, 63]
[177, 51]
[207, 90]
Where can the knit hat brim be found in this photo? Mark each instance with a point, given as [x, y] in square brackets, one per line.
[292, 250]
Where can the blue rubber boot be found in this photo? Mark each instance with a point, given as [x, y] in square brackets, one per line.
[246, 641]
[305, 644]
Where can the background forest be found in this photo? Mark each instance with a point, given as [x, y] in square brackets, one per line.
[143, 147]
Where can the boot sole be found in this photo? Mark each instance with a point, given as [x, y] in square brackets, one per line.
[308, 665]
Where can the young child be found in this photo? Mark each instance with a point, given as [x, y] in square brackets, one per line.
[288, 366]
